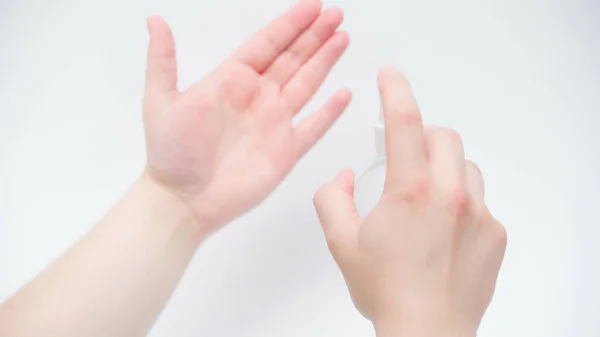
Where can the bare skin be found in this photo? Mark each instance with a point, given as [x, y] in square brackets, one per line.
[215, 150]
[425, 261]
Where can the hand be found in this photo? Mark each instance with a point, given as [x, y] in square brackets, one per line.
[425, 261]
[224, 144]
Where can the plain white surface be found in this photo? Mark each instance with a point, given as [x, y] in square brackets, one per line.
[519, 79]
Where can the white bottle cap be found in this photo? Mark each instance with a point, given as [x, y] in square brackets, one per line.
[379, 159]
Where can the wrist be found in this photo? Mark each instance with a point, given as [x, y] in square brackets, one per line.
[167, 208]
[418, 327]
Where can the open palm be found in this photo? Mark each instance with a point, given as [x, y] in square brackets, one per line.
[225, 143]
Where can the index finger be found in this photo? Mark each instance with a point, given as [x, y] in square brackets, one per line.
[405, 143]
[272, 40]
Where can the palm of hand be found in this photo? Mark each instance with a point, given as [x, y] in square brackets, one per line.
[225, 143]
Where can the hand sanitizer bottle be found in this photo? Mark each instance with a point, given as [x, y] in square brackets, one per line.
[370, 178]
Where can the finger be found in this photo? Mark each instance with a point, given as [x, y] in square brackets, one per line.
[405, 146]
[446, 157]
[336, 209]
[291, 60]
[268, 43]
[313, 127]
[475, 183]
[161, 68]
[298, 91]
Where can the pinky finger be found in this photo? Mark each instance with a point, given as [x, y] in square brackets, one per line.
[313, 127]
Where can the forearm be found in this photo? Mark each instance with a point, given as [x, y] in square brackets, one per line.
[117, 279]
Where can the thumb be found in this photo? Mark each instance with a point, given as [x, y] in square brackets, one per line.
[161, 68]
[335, 206]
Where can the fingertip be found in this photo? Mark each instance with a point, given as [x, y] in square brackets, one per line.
[345, 174]
[337, 13]
[333, 16]
[387, 70]
[385, 73]
[310, 8]
[339, 103]
[161, 67]
[316, 5]
[474, 166]
[344, 95]
[390, 73]
[342, 39]
[345, 179]
[153, 23]
[161, 37]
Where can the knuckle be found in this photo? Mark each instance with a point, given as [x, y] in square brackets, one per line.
[480, 210]
[471, 165]
[434, 130]
[453, 136]
[415, 190]
[408, 116]
[418, 190]
[430, 132]
[458, 203]
[499, 235]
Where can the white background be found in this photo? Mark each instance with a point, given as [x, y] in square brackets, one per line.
[519, 79]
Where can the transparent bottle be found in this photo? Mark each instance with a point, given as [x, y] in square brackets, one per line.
[370, 178]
